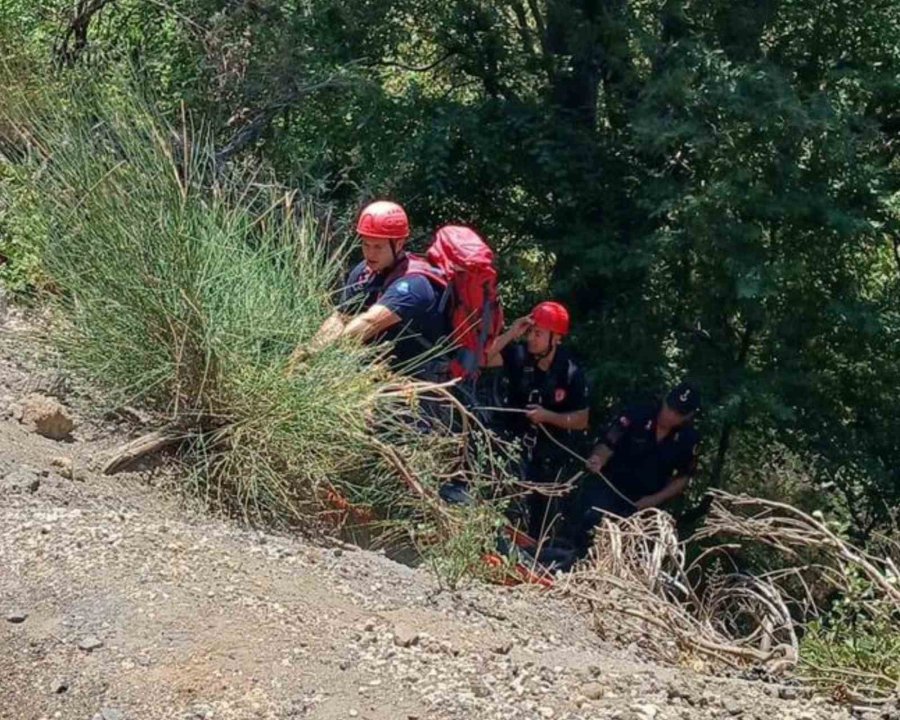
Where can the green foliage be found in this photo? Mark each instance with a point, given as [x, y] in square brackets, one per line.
[185, 286]
[21, 233]
[461, 558]
[853, 646]
[711, 186]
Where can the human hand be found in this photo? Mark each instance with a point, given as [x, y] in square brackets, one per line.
[297, 359]
[595, 462]
[521, 326]
[644, 503]
[536, 414]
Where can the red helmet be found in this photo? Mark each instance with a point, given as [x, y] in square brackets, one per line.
[383, 220]
[551, 316]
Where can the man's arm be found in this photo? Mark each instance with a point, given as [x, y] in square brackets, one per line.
[515, 331]
[370, 324]
[600, 455]
[605, 449]
[329, 331]
[673, 489]
[352, 293]
[576, 420]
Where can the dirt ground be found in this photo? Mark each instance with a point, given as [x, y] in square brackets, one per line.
[122, 600]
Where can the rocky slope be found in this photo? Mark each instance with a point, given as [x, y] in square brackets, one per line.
[120, 600]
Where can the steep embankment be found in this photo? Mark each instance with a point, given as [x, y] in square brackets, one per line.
[119, 600]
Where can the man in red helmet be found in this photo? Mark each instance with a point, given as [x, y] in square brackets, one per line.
[383, 299]
[543, 379]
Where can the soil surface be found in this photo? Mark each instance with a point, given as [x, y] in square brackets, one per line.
[120, 599]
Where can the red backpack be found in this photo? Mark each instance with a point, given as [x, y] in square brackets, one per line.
[462, 263]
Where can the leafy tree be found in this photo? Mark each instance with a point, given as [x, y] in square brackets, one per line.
[710, 184]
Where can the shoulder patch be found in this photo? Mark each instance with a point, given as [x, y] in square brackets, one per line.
[402, 286]
[624, 421]
[559, 395]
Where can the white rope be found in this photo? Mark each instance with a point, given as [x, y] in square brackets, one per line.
[566, 449]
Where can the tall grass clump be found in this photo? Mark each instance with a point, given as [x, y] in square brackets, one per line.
[184, 285]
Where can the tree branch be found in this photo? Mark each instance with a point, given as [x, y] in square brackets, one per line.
[73, 41]
[897, 252]
[262, 118]
[522, 28]
[412, 68]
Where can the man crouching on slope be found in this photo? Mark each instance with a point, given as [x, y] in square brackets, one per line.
[383, 298]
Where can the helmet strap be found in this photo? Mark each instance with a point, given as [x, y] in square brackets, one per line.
[395, 256]
[551, 348]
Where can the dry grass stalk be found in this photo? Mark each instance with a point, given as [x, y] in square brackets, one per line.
[637, 585]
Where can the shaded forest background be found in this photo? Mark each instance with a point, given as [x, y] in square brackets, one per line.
[711, 186]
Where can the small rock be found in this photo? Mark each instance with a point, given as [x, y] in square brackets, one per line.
[45, 416]
[353, 713]
[337, 552]
[786, 692]
[593, 691]
[67, 469]
[89, 644]
[111, 714]
[59, 686]
[503, 647]
[62, 463]
[17, 616]
[546, 712]
[21, 480]
[405, 637]
[645, 712]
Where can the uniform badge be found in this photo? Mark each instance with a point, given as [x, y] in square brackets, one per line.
[649, 425]
[624, 421]
[559, 395]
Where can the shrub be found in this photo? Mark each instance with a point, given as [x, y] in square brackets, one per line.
[184, 286]
[854, 649]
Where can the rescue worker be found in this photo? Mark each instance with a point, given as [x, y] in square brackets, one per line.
[544, 380]
[646, 457]
[382, 300]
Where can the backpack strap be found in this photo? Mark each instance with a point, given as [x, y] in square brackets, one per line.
[411, 264]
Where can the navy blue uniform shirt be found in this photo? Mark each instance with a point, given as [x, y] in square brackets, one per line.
[413, 298]
[562, 388]
[640, 464]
